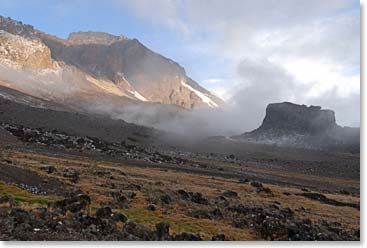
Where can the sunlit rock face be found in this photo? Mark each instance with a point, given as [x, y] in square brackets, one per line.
[16, 51]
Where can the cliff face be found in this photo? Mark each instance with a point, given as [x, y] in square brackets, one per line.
[143, 74]
[84, 38]
[288, 124]
[298, 118]
[16, 51]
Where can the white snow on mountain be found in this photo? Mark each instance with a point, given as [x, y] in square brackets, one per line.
[202, 96]
[138, 95]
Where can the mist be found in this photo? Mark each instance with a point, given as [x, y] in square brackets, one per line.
[260, 82]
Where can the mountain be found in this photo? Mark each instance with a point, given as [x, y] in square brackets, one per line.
[289, 124]
[92, 70]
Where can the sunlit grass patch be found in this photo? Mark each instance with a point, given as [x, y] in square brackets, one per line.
[180, 223]
[24, 197]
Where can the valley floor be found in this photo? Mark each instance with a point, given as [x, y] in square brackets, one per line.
[49, 192]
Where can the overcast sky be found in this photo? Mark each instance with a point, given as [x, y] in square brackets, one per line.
[249, 52]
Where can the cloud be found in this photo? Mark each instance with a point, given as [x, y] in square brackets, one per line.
[163, 12]
[262, 82]
[310, 44]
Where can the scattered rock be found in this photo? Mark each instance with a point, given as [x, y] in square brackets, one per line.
[243, 180]
[7, 199]
[187, 237]
[104, 212]
[116, 216]
[151, 207]
[165, 199]
[139, 231]
[198, 198]
[184, 195]
[263, 190]
[120, 200]
[73, 204]
[162, 230]
[256, 184]
[72, 175]
[131, 195]
[230, 193]
[132, 186]
[324, 199]
[49, 169]
[206, 214]
[219, 237]
[240, 223]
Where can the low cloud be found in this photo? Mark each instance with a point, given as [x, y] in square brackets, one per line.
[306, 51]
[259, 83]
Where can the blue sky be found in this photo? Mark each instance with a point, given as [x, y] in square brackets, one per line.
[305, 51]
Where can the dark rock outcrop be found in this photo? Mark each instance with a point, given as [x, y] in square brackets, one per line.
[288, 124]
[298, 118]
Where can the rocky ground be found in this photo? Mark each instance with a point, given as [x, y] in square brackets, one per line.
[60, 186]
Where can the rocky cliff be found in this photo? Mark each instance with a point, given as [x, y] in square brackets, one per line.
[288, 124]
[299, 119]
[16, 51]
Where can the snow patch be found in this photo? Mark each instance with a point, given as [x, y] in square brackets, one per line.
[201, 95]
[138, 95]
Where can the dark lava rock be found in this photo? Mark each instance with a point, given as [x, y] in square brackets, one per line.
[131, 195]
[239, 208]
[263, 190]
[49, 169]
[120, 200]
[104, 212]
[139, 231]
[73, 204]
[20, 215]
[206, 214]
[198, 198]
[162, 230]
[219, 237]
[200, 214]
[240, 223]
[166, 199]
[256, 184]
[72, 175]
[243, 180]
[132, 186]
[324, 199]
[119, 217]
[230, 193]
[276, 223]
[39, 213]
[7, 199]
[231, 157]
[151, 207]
[184, 195]
[187, 237]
